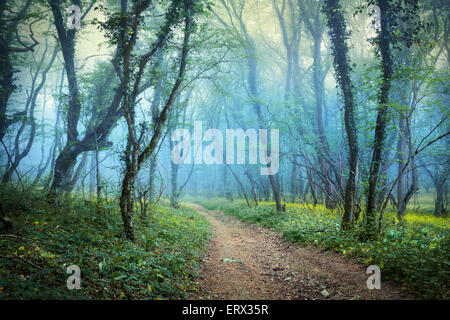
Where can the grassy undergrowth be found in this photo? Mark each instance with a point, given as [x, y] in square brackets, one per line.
[415, 254]
[47, 238]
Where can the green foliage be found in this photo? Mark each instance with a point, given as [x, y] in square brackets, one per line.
[415, 253]
[159, 265]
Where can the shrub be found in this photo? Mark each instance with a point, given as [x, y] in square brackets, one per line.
[415, 253]
[158, 265]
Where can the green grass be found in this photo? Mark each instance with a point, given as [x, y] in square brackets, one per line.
[158, 265]
[415, 254]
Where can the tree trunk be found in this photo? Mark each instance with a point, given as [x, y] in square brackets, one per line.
[127, 203]
[92, 175]
[240, 185]
[134, 157]
[439, 208]
[380, 127]
[65, 162]
[77, 174]
[338, 36]
[9, 26]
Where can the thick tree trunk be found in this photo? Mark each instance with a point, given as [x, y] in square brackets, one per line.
[65, 162]
[77, 174]
[380, 127]
[127, 203]
[63, 171]
[338, 36]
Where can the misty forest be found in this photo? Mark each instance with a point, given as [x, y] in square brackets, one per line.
[224, 149]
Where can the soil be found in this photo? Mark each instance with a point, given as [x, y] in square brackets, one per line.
[247, 262]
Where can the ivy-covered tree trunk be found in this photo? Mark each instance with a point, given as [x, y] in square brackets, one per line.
[383, 41]
[127, 201]
[9, 24]
[136, 154]
[338, 35]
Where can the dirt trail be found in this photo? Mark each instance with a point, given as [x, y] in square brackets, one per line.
[249, 262]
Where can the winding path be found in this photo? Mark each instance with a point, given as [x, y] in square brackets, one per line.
[247, 262]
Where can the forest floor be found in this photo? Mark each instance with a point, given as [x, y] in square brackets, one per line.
[248, 262]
